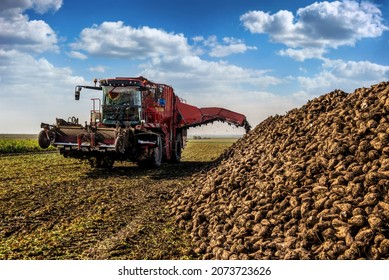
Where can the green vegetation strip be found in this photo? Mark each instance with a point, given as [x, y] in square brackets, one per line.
[8, 146]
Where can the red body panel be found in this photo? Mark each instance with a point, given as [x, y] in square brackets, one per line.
[194, 116]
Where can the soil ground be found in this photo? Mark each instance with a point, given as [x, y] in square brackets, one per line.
[57, 208]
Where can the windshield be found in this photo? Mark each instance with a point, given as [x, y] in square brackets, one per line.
[121, 104]
[122, 96]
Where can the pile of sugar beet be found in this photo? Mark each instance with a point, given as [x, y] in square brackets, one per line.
[311, 184]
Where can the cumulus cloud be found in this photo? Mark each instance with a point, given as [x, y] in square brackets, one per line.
[202, 74]
[303, 54]
[21, 33]
[17, 31]
[321, 25]
[358, 70]
[118, 40]
[77, 55]
[229, 46]
[40, 6]
[226, 50]
[115, 39]
[345, 75]
[97, 69]
[26, 80]
[277, 25]
[44, 6]
[33, 78]
[168, 57]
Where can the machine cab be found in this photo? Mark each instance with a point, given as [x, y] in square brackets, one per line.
[121, 104]
[130, 102]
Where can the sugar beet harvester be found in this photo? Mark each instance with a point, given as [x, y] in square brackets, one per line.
[136, 120]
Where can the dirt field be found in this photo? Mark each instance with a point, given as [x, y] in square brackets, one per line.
[57, 208]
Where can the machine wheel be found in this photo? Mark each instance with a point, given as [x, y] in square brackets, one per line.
[120, 146]
[177, 149]
[43, 140]
[153, 159]
[156, 158]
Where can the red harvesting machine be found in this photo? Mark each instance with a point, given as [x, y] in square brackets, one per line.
[136, 120]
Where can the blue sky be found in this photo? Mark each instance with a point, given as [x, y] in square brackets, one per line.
[256, 57]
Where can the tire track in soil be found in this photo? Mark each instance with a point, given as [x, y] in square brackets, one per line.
[56, 208]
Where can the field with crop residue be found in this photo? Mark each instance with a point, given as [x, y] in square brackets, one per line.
[57, 208]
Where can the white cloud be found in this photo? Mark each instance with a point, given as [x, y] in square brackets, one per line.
[34, 91]
[358, 70]
[77, 55]
[23, 69]
[319, 84]
[341, 23]
[40, 6]
[198, 39]
[118, 40]
[321, 25]
[44, 6]
[21, 33]
[198, 74]
[229, 46]
[17, 31]
[345, 75]
[302, 69]
[211, 41]
[279, 24]
[232, 46]
[303, 54]
[114, 39]
[32, 88]
[98, 69]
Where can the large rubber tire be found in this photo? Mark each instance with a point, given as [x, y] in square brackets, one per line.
[156, 158]
[43, 140]
[120, 146]
[177, 149]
